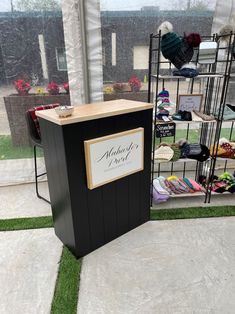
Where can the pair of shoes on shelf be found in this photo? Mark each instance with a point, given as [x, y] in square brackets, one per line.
[182, 116]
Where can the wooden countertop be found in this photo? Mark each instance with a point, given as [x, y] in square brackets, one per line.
[95, 111]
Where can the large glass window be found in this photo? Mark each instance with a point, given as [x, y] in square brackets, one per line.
[29, 32]
[126, 28]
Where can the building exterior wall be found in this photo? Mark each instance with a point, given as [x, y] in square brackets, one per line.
[20, 48]
[20, 45]
[134, 30]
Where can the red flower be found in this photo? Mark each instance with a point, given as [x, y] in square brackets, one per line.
[66, 87]
[22, 87]
[53, 88]
[134, 83]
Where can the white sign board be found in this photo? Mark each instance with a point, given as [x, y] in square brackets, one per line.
[190, 102]
[115, 156]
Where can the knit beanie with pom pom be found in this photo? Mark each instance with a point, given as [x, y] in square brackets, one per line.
[176, 49]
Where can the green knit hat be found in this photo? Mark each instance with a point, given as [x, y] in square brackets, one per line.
[170, 45]
[177, 152]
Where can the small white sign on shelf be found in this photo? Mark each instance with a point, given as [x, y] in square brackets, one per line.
[190, 102]
[115, 156]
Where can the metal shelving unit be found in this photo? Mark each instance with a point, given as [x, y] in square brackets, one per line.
[212, 82]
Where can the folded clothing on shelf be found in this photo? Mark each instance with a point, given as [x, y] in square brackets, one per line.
[163, 188]
[158, 197]
[229, 179]
[159, 185]
[219, 184]
[160, 191]
[196, 186]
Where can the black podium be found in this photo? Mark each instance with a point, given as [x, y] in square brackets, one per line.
[84, 218]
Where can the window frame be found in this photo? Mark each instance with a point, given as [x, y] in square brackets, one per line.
[57, 59]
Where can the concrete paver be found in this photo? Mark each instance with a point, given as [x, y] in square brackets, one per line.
[4, 124]
[163, 267]
[20, 201]
[17, 171]
[29, 263]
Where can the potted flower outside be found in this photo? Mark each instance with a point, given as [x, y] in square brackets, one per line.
[17, 104]
[130, 91]
[134, 83]
[66, 87]
[22, 87]
[53, 88]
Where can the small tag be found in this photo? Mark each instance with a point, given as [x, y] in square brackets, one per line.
[166, 119]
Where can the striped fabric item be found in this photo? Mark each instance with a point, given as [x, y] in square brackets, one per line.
[33, 110]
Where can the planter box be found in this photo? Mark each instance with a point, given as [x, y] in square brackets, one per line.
[137, 96]
[16, 107]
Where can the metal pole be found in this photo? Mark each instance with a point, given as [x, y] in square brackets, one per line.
[188, 4]
[12, 6]
[82, 14]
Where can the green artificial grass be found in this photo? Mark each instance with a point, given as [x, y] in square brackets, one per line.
[193, 136]
[25, 223]
[193, 212]
[9, 151]
[67, 285]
